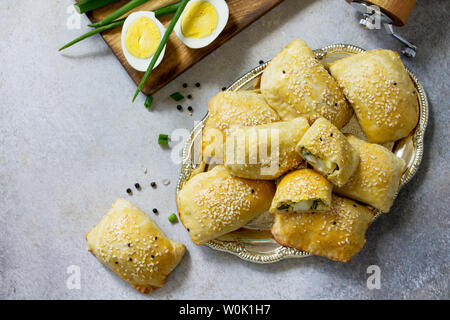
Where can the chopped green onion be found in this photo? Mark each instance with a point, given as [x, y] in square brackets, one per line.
[161, 46]
[89, 5]
[158, 13]
[119, 12]
[115, 24]
[163, 139]
[177, 96]
[148, 102]
[173, 218]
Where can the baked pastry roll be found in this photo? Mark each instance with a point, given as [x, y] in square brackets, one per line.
[296, 84]
[381, 92]
[264, 152]
[326, 148]
[129, 243]
[229, 108]
[377, 178]
[214, 203]
[337, 234]
[302, 190]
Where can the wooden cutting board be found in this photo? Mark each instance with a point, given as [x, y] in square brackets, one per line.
[179, 57]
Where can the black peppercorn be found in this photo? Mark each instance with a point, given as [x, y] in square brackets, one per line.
[224, 88]
[155, 210]
[197, 84]
[190, 109]
[137, 186]
[189, 96]
[185, 85]
[179, 107]
[153, 184]
[129, 191]
[261, 62]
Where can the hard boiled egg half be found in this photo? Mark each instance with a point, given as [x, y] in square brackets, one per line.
[141, 36]
[201, 22]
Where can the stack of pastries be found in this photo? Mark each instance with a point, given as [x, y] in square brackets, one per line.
[280, 149]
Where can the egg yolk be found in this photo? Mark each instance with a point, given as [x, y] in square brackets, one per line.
[200, 20]
[142, 38]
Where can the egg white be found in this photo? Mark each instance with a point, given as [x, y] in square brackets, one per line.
[223, 15]
[138, 63]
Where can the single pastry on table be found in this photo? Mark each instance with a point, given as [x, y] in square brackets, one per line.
[377, 178]
[302, 190]
[230, 108]
[264, 152]
[326, 149]
[214, 203]
[337, 234]
[296, 84]
[129, 243]
[381, 92]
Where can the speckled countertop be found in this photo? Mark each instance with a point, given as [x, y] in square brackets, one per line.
[71, 143]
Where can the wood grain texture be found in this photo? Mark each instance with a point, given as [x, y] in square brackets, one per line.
[399, 10]
[178, 57]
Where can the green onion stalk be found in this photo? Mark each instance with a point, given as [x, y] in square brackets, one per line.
[89, 5]
[118, 13]
[161, 46]
[158, 13]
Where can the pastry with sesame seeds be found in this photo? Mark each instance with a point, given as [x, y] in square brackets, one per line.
[381, 92]
[296, 84]
[337, 234]
[326, 149]
[215, 203]
[302, 190]
[377, 178]
[264, 152]
[129, 243]
[230, 108]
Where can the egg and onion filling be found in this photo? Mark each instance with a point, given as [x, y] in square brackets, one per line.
[304, 205]
[324, 166]
[200, 20]
[142, 38]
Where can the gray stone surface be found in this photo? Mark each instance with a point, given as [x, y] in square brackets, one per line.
[71, 143]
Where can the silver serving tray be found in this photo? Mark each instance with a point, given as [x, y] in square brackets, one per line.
[254, 242]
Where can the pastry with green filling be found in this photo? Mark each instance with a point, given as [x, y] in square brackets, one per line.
[327, 149]
[302, 190]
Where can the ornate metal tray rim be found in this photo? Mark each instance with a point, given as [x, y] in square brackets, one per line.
[281, 253]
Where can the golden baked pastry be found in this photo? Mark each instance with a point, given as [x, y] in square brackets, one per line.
[381, 92]
[214, 203]
[296, 84]
[302, 190]
[129, 243]
[377, 179]
[337, 234]
[264, 152]
[230, 108]
[326, 148]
